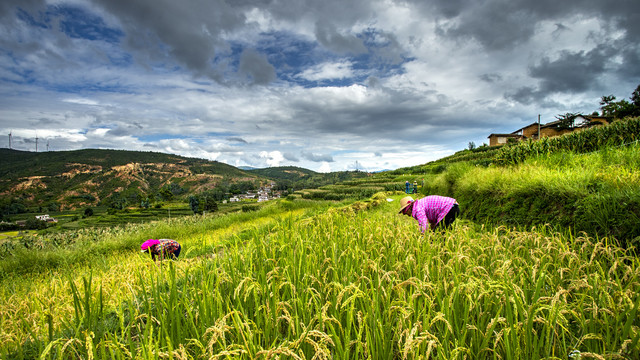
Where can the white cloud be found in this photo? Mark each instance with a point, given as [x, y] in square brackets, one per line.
[81, 101]
[272, 158]
[328, 71]
[101, 132]
[325, 167]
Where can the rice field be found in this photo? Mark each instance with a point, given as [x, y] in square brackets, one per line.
[351, 282]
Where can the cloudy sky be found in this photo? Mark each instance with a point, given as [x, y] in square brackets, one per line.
[326, 85]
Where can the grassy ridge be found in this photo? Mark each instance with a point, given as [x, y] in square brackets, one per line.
[598, 193]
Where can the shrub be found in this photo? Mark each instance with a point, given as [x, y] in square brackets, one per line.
[249, 208]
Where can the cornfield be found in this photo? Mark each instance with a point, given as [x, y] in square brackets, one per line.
[593, 139]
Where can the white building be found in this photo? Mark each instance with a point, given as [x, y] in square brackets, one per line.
[46, 218]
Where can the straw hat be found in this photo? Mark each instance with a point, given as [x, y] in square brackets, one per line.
[404, 202]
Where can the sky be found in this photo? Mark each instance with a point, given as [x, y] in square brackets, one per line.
[327, 85]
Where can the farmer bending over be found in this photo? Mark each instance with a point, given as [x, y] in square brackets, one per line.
[163, 248]
[431, 211]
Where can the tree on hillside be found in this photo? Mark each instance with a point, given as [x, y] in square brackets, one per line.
[635, 97]
[14, 205]
[115, 201]
[35, 224]
[202, 203]
[208, 203]
[145, 204]
[164, 194]
[566, 120]
[194, 203]
[622, 108]
[242, 187]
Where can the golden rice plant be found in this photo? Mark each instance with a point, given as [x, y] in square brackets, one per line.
[354, 285]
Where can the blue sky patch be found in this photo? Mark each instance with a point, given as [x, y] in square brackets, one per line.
[79, 24]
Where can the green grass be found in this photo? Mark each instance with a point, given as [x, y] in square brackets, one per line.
[532, 270]
[598, 193]
[349, 282]
[49, 251]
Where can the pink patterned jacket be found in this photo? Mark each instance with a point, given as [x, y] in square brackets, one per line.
[430, 210]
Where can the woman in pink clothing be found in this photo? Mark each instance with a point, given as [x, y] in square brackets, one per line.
[431, 211]
[162, 248]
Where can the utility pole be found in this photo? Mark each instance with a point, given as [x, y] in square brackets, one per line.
[538, 126]
[36, 142]
[9, 139]
[47, 145]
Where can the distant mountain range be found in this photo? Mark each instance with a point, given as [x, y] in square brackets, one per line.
[89, 177]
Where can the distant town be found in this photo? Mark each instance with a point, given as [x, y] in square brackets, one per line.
[265, 193]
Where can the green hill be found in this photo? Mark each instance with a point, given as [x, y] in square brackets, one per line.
[290, 173]
[300, 178]
[17, 163]
[70, 179]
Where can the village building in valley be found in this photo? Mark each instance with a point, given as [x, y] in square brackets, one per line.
[265, 193]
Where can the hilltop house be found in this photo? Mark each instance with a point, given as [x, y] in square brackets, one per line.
[46, 218]
[555, 128]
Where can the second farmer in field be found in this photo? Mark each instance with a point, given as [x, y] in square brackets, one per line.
[161, 248]
[433, 212]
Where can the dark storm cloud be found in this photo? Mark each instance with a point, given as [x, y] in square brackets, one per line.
[491, 31]
[405, 116]
[44, 121]
[8, 7]
[290, 157]
[125, 129]
[501, 25]
[491, 78]
[525, 95]
[630, 62]
[316, 157]
[257, 67]
[415, 122]
[571, 72]
[192, 32]
[237, 139]
[339, 43]
[386, 47]
[339, 13]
